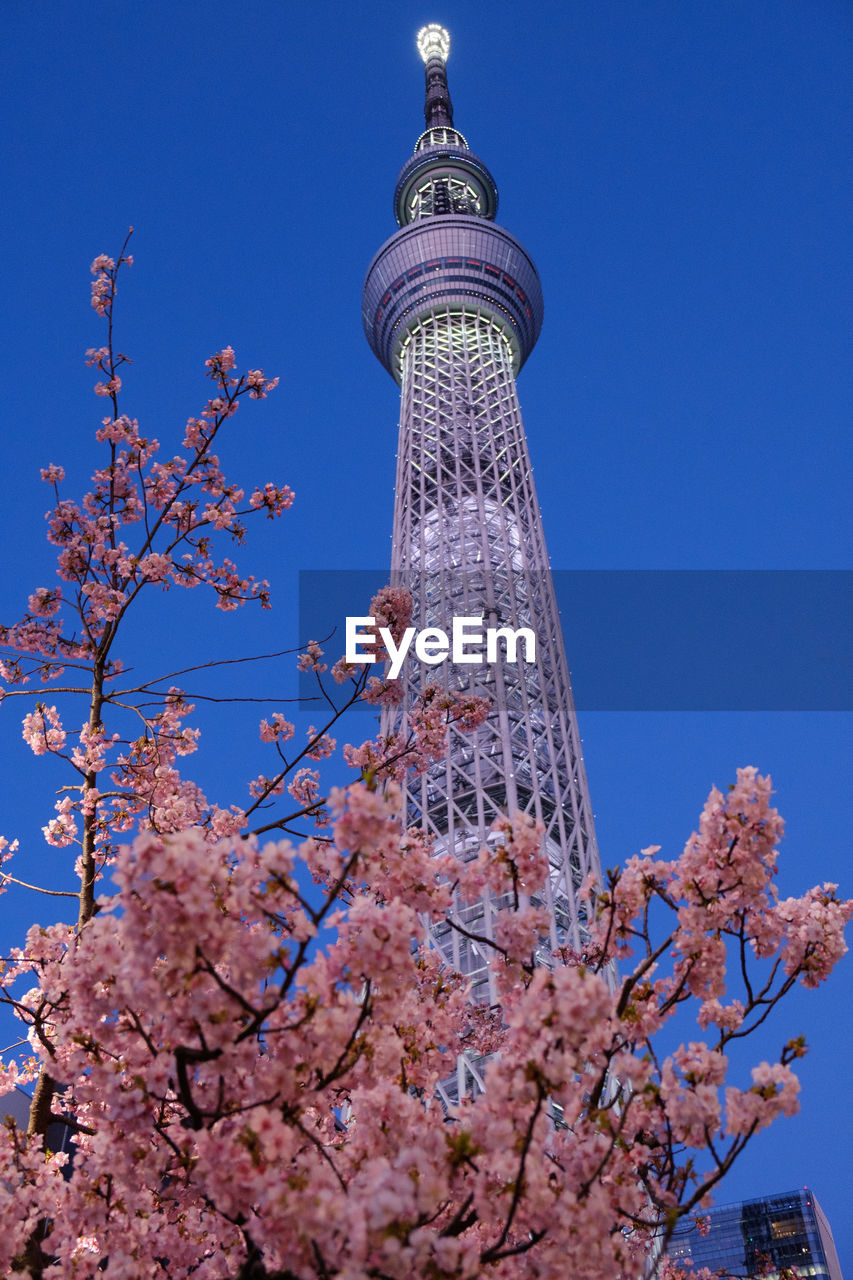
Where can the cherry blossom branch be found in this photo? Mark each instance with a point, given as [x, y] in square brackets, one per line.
[493, 1254]
[36, 888]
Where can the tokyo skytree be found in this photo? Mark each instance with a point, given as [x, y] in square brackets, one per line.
[452, 307]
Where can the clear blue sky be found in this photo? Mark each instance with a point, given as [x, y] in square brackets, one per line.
[680, 172]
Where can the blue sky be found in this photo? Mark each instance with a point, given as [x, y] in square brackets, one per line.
[680, 173]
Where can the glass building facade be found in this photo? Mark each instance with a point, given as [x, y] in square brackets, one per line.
[762, 1237]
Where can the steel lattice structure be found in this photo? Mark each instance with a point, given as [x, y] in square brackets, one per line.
[452, 308]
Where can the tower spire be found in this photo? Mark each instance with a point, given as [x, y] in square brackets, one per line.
[434, 47]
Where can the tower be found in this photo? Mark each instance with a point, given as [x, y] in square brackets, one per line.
[452, 307]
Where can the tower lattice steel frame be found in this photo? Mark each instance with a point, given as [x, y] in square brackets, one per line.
[452, 307]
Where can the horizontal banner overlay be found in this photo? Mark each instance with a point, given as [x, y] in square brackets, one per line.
[646, 640]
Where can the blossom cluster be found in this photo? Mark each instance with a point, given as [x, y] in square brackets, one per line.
[248, 1095]
[248, 1039]
[146, 520]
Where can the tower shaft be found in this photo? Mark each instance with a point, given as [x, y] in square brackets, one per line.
[468, 542]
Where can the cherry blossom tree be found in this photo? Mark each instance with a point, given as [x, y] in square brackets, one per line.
[245, 1027]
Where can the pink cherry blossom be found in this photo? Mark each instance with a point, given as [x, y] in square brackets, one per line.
[63, 829]
[43, 730]
[310, 659]
[250, 1027]
[277, 729]
[155, 567]
[110, 388]
[273, 499]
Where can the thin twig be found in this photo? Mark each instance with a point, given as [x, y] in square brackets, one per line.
[36, 888]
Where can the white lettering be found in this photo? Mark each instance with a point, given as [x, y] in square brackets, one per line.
[354, 637]
[462, 636]
[512, 638]
[397, 655]
[432, 645]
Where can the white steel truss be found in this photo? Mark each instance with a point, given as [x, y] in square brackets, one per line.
[468, 541]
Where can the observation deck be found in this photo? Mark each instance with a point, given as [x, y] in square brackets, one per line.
[457, 263]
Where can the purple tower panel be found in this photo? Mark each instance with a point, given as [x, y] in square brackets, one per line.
[451, 261]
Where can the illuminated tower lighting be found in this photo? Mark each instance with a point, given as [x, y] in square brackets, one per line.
[452, 307]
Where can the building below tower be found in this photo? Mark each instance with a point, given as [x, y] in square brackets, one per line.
[762, 1237]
